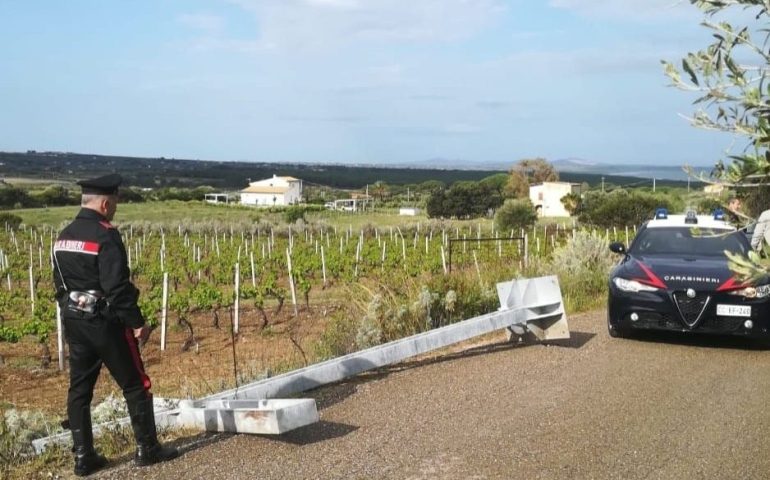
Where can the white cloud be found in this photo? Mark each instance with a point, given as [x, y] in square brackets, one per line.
[629, 9]
[317, 24]
[202, 21]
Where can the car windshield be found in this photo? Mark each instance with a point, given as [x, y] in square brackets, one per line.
[688, 241]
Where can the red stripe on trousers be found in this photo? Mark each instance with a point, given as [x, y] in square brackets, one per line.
[132, 347]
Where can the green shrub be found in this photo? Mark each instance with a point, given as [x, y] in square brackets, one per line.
[514, 215]
[17, 430]
[622, 208]
[9, 334]
[13, 221]
[294, 213]
[582, 265]
[338, 338]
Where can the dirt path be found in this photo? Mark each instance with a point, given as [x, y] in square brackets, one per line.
[593, 407]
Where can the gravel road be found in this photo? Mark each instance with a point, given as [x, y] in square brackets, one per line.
[592, 407]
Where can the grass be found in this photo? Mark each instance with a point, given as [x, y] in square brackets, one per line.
[167, 211]
[174, 212]
[578, 293]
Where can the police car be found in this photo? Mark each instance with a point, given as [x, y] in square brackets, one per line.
[674, 276]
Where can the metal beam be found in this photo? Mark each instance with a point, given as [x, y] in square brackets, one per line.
[536, 302]
[528, 306]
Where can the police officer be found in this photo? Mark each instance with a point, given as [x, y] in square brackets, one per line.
[103, 324]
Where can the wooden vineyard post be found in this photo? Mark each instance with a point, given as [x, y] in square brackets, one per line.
[526, 250]
[291, 283]
[164, 312]
[253, 276]
[323, 265]
[236, 304]
[443, 259]
[31, 287]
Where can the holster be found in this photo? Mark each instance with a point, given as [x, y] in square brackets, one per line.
[90, 301]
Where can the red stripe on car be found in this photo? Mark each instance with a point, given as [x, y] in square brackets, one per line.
[731, 284]
[651, 279]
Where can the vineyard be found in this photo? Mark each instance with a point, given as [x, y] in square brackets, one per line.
[311, 291]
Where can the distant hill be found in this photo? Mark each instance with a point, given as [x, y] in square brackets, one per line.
[165, 172]
[660, 172]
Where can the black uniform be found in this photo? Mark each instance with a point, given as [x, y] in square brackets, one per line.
[99, 309]
[90, 257]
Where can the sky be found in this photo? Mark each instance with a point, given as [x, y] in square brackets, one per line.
[425, 82]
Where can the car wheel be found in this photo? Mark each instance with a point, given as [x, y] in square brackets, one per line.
[617, 332]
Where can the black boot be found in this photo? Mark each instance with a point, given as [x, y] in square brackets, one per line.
[87, 461]
[148, 449]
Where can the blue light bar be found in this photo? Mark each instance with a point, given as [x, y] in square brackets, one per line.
[661, 214]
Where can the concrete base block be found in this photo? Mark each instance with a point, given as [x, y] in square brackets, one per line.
[270, 417]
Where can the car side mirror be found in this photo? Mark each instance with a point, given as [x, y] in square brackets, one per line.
[617, 247]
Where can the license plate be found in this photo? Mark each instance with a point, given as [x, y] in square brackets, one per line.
[734, 310]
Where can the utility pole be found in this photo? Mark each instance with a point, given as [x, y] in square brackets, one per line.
[688, 184]
[653, 185]
[602, 184]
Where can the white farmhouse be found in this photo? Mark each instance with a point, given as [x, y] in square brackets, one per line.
[546, 197]
[273, 192]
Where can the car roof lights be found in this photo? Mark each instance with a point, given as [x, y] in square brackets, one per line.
[661, 214]
[691, 217]
[719, 214]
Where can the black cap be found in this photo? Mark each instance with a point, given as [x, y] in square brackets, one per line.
[104, 185]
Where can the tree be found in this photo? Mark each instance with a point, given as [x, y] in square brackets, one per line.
[380, 190]
[515, 214]
[525, 173]
[572, 202]
[731, 76]
[57, 195]
[734, 96]
[463, 200]
[496, 182]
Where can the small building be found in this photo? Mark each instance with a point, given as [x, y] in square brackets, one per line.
[273, 192]
[409, 211]
[350, 204]
[546, 197]
[715, 189]
[218, 198]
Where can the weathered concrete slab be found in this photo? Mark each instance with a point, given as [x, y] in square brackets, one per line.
[274, 417]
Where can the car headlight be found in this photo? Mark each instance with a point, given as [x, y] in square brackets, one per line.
[632, 285]
[760, 291]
